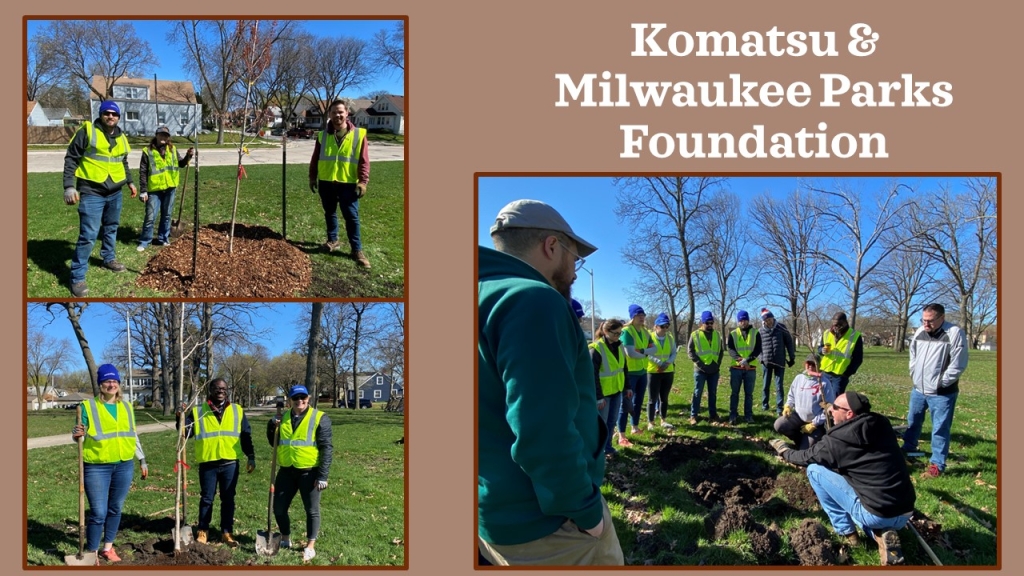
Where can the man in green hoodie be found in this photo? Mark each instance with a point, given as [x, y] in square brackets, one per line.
[540, 438]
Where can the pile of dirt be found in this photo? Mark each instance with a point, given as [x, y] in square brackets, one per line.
[155, 552]
[262, 264]
[812, 545]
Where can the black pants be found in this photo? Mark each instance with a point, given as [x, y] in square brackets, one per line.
[659, 384]
[789, 426]
[289, 481]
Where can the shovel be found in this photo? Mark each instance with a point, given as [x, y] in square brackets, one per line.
[268, 543]
[83, 558]
[181, 534]
[176, 225]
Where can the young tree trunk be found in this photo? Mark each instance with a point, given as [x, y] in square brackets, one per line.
[312, 349]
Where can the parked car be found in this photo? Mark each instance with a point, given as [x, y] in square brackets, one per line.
[299, 132]
[363, 403]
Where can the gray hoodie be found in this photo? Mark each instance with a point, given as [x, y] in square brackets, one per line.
[937, 361]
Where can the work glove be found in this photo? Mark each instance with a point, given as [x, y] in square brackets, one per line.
[787, 410]
[789, 364]
[360, 189]
[744, 363]
[145, 468]
[189, 154]
[250, 466]
[135, 191]
[808, 428]
[77, 432]
[321, 485]
[70, 196]
[602, 403]
[596, 531]
[780, 446]
[312, 185]
[276, 419]
[144, 197]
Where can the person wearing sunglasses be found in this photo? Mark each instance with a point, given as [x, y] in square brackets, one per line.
[661, 368]
[744, 346]
[95, 170]
[842, 352]
[859, 474]
[636, 341]
[705, 350]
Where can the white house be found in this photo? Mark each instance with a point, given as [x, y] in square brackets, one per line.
[36, 114]
[387, 114]
[146, 104]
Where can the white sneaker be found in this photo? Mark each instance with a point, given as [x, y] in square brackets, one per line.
[650, 425]
[667, 426]
[141, 248]
[308, 554]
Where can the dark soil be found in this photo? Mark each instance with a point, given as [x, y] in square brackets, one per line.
[262, 264]
[812, 545]
[155, 552]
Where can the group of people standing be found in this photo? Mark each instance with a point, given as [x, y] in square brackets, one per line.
[96, 169]
[223, 437]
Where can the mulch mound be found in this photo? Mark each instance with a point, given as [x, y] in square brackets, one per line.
[262, 264]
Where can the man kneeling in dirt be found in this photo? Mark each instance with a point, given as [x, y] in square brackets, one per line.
[873, 489]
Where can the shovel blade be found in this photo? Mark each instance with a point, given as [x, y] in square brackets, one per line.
[267, 545]
[184, 534]
[86, 559]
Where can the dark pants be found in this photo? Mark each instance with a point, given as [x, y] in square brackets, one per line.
[335, 195]
[744, 378]
[789, 426]
[772, 375]
[659, 385]
[211, 476]
[289, 481]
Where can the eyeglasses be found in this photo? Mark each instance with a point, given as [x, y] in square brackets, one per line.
[579, 261]
[617, 333]
[302, 397]
[936, 320]
[709, 322]
[838, 407]
[109, 113]
[220, 389]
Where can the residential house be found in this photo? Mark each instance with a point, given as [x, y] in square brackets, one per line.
[386, 114]
[146, 104]
[57, 116]
[36, 114]
[377, 387]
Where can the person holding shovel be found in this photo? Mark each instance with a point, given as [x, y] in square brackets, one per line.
[95, 170]
[744, 346]
[222, 436]
[339, 170]
[110, 448]
[158, 181]
[304, 453]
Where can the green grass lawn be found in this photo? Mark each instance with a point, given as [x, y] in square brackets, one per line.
[362, 510]
[59, 421]
[659, 519]
[231, 140]
[53, 230]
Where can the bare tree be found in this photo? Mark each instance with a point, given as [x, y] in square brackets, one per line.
[84, 48]
[45, 357]
[666, 208]
[726, 256]
[312, 348]
[387, 48]
[660, 283]
[339, 64]
[74, 311]
[897, 282]
[43, 69]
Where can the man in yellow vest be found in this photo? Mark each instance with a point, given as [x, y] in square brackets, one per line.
[158, 181]
[95, 170]
[841, 351]
[340, 168]
[705, 350]
[744, 344]
[304, 453]
[636, 342]
[222, 436]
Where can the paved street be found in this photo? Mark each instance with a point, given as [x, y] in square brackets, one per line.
[299, 152]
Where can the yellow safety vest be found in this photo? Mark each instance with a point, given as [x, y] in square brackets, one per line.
[100, 159]
[707, 352]
[612, 375]
[217, 440]
[641, 338]
[297, 448]
[744, 346]
[108, 440]
[340, 162]
[838, 358]
[163, 169]
[661, 353]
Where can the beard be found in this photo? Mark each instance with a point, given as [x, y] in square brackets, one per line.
[563, 279]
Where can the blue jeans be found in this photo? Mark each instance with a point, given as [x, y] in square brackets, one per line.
[159, 202]
[610, 415]
[632, 408]
[699, 379]
[843, 505]
[941, 408]
[106, 487]
[770, 375]
[212, 475]
[98, 217]
[837, 381]
[746, 378]
[335, 195]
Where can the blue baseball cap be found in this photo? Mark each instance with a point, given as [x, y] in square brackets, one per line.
[298, 390]
[107, 372]
[578, 308]
[109, 106]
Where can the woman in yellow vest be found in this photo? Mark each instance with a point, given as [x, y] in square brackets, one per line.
[609, 375]
[661, 368]
[158, 180]
[304, 453]
[110, 448]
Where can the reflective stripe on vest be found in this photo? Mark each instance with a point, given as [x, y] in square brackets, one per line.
[163, 169]
[707, 352]
[838, 358]
[613, 374]
[107, 440]
[744, 346]
[101, 160]
[217, 440]
[640, 343]
[297, 447]
[661, 354]
[340, 162]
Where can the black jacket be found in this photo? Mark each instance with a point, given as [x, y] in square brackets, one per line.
[866, 452]
[777, 345]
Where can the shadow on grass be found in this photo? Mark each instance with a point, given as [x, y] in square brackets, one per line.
[52, 257]
[47, 537]
[983, 519]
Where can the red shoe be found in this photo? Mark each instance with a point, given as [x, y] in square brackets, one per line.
[109, 555]
[932, 471]
[624, 442]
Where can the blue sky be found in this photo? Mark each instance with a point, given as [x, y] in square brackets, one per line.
[588, 204]
[170, 60]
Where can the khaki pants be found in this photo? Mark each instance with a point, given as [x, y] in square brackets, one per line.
[567, 546]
